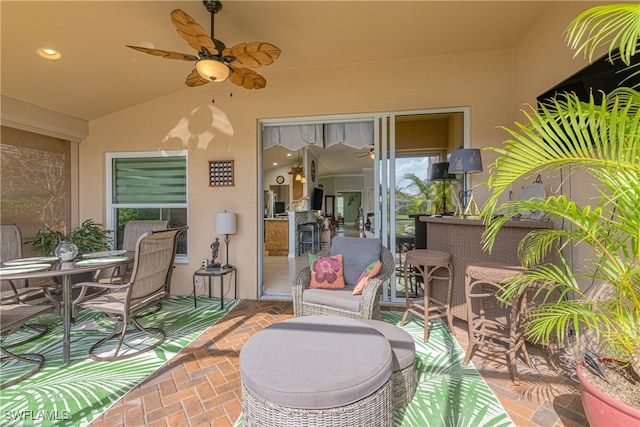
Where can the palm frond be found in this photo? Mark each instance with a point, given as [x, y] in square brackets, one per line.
[615, 25]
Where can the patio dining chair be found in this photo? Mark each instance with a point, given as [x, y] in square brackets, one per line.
[12, 318]
[18, 291]
[136, 228]
[132, 231]
[148, 286]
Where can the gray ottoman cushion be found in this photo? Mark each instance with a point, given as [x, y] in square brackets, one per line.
[357, 255]
[316, 362]
[402, 345]
[339, 298]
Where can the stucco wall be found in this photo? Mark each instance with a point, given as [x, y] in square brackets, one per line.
[484, 82]
[475, 80]
[542, 60]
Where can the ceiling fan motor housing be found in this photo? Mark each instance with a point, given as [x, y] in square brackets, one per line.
[213, 6]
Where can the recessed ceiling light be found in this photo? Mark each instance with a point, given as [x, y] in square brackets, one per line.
[47, 53]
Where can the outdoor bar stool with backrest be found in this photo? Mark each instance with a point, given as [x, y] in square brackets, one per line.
[488, 319]
[307, 236]
[432, 266]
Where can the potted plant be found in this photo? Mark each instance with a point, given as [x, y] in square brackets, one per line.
[90, 237]
[603, 141]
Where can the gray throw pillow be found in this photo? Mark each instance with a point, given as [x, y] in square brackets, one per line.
[357, 254]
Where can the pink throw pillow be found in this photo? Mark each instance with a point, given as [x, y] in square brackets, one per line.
[326, 272]
[371, 271]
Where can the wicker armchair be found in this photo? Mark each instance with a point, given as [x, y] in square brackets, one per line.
[340, 302]
[148, 286]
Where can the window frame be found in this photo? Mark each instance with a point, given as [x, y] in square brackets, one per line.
[112, 207]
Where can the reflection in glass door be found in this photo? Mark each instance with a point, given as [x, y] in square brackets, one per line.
[410, 143]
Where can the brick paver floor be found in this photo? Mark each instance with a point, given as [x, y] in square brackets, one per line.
[201, 385]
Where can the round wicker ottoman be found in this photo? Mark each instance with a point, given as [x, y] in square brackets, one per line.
[317, 371]
[403, 379]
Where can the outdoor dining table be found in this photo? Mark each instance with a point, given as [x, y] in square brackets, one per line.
[50, 267]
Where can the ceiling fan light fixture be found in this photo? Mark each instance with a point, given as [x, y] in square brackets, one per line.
[213, 70]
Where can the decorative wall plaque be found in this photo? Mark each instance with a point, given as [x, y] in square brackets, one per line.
[221, 173]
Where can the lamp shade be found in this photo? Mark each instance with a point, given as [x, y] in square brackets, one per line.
[465, 160]
[440, 172]
[226, 223]
[213, 70]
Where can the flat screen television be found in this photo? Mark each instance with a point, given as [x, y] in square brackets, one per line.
[316, 199]
[278, 207]
[601, 75]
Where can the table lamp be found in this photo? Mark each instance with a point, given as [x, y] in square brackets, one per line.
[466, 161]
[440, 172]
[226, 224]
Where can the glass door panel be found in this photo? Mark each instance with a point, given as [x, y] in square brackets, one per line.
[414, 141]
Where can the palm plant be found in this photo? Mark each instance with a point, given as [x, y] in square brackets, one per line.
[601, 139]
[420, 194]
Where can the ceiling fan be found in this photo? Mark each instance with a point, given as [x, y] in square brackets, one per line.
[371, 154]
[214, 61]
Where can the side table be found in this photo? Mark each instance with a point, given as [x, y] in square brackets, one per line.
[216, 272]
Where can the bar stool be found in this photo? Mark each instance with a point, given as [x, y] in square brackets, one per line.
[488, 319]
[307, 236]
[431, 265]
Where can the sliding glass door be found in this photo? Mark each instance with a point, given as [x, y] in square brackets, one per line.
[374, 170]
[409, 143]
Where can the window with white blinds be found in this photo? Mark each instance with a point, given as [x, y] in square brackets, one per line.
[150, 180]
[147, 186]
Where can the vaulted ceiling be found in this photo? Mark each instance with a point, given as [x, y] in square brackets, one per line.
[98, 75]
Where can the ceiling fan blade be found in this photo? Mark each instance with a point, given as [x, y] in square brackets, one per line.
[164, 53]
[192, 32]
[247, 78]
[195, 79]
[370, 154]
[253, 55]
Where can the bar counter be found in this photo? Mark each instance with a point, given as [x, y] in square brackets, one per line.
[462, 238]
